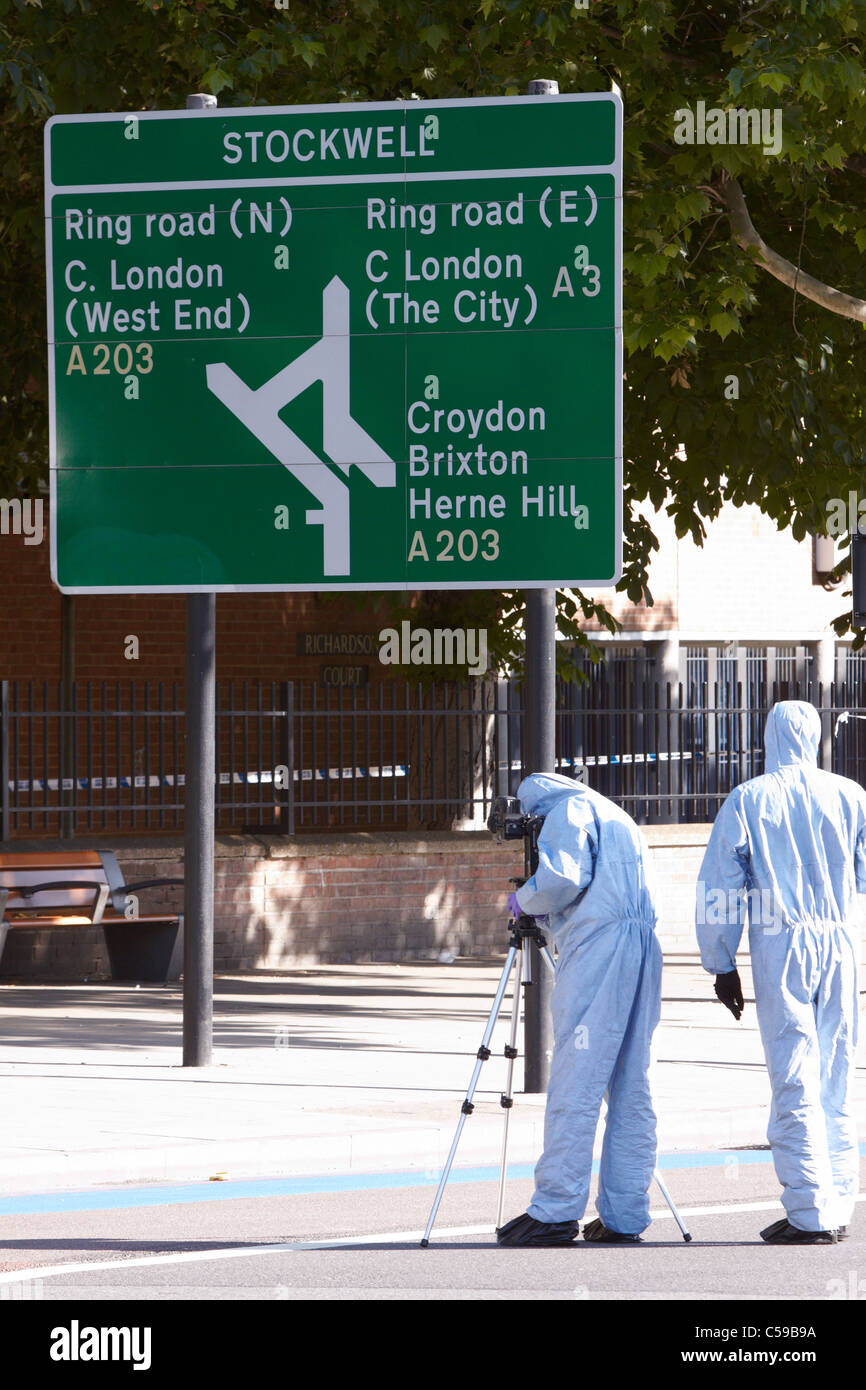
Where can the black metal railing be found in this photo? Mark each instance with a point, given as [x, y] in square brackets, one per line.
[293, 757]
[290, 756]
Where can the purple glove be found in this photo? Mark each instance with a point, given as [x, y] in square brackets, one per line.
[514, 907]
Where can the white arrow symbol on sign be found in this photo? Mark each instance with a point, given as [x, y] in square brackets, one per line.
[345, 442]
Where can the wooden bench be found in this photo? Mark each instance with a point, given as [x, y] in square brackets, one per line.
[85, 888]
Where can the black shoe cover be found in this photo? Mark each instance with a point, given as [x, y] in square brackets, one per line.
[783, 1233]
[597, 1231]
[525, 1230]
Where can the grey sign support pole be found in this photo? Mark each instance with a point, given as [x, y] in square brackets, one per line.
[199, 807]
[540, 687]
[198, 830]
[67, 716]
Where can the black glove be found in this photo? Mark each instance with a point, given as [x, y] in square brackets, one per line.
[730, 991]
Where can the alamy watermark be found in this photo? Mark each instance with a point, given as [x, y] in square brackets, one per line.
[734, 127]
[77, 1343]
[854, 1287]
[719, 907]
[443, 646]
[22, 517]
[22, 1290]
[845, 517]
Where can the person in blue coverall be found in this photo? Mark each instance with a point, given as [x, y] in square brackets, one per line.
[594, 886]
[792, 844]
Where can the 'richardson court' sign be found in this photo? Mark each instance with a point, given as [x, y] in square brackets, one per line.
[336, 347]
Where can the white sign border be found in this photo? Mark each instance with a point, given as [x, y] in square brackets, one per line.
[615, 169]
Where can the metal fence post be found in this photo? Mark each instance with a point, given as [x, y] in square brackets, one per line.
[501, 742]
[5, 818]
[290, 753]
[824, 665]
[669, 774]
[639, 770]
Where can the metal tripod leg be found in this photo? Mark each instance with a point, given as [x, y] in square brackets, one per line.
[547, 957]
[468, 1107]
[667, 1196]
[506, 1100]
[524, 969]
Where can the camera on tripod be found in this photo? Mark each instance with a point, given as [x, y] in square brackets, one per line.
[508, 822]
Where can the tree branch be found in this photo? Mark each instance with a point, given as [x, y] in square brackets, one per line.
[838, 303]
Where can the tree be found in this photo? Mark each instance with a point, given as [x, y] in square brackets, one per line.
[743, 296]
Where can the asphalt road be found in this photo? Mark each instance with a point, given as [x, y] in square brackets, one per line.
[232, 1241]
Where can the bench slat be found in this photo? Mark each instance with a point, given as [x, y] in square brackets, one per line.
[79, 886]
[58, 859]
[52, 923]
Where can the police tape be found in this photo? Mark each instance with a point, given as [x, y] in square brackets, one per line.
[320, 774]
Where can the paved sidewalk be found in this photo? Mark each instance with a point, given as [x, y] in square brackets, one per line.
[329, 1070]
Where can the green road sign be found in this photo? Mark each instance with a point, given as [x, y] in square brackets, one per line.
[336, 347]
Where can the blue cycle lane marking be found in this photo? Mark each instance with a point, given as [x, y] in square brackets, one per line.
[172, 1194]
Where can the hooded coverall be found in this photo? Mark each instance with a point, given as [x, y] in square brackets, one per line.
[795, 840]
[594, 885]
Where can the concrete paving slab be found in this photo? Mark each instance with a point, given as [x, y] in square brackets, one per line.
[334, 1069]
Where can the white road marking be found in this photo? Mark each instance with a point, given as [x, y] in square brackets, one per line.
[238, 1252]
[233, 1253]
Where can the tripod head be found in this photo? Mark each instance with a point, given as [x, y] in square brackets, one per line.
[524, 930]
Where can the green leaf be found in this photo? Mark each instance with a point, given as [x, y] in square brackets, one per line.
[724, 323]
[434, 35]
[738, 44]
[776, 81]
[216, 80]
[835, 155]
[811, 81]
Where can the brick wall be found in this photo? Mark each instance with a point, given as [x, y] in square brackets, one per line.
[365, 897]
[677, 851]
[74, 953]
[256, 633]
